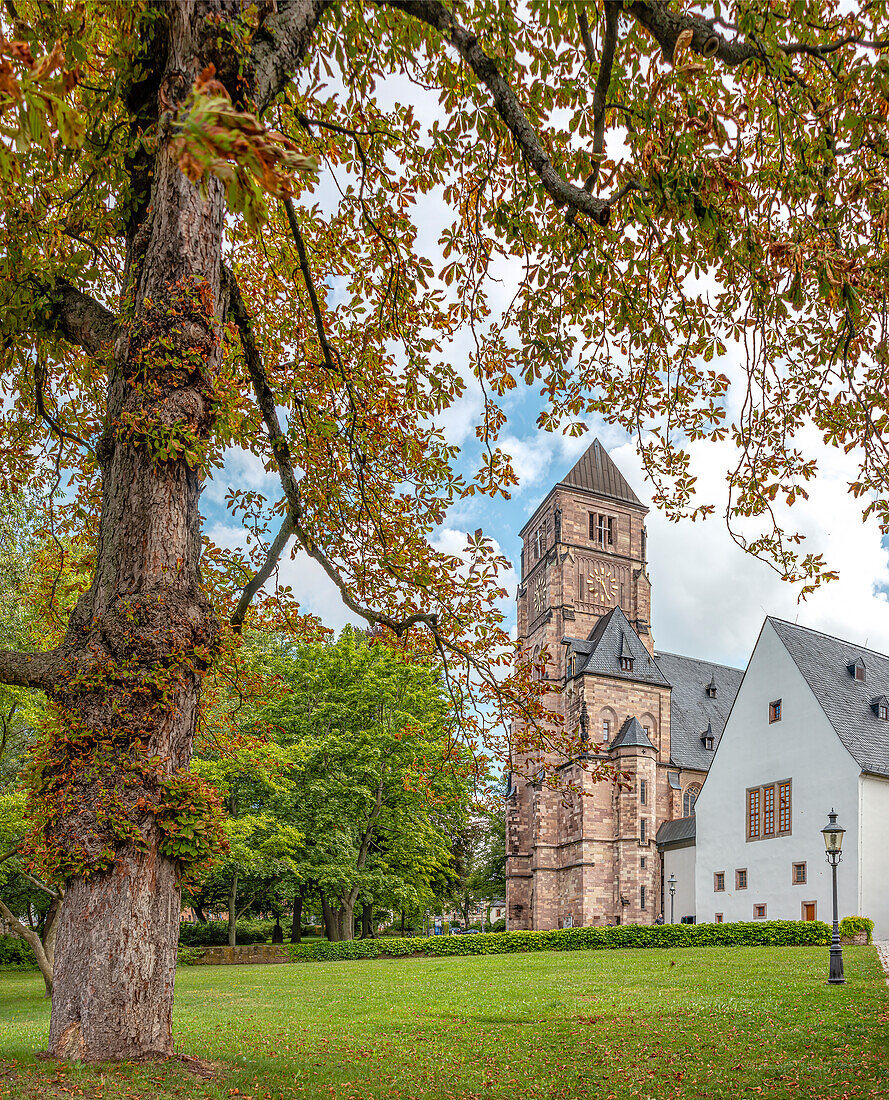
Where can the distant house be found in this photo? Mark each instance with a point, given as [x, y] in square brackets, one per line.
[808, 731]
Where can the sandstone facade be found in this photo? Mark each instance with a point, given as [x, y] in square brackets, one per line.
[585, 601]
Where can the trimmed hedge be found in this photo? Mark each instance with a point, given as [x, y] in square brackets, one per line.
[776, 933]
[15, 954]
[851, 926]
[215, 933]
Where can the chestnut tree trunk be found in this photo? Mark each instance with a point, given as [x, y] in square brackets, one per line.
[139, 641]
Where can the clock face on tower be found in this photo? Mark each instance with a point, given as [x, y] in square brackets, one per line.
[600, 583]
[540, 593]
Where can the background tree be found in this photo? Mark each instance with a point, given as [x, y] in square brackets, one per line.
[377, 778]
[163, 246]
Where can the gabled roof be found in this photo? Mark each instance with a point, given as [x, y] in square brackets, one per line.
[631, 735]
[692, 710]
[611, 638]
[824, 662]
[595, 472]
[673, 832]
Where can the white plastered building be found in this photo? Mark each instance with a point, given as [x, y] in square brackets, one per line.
[808, 732]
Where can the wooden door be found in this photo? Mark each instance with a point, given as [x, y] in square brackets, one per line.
[808, 910]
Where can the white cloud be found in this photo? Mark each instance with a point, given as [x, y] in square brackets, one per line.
[709, 598]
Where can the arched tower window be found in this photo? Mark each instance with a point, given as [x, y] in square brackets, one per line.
[689, 799]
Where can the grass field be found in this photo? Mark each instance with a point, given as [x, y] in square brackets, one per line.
[615, 1025]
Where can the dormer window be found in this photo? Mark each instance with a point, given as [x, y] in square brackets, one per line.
[880, 707]
[858, 669]
[572, 664]
[626, 660]
[711, 689]
[707, 738]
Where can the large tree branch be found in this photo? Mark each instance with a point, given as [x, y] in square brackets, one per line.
[603, 80]
[280, 44]
[507, 106]
[81, 319]
[265, 399]
[665, 25]
[34, 669]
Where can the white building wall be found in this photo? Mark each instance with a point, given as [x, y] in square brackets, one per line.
[802, 747]
[681, 863]
[873, 860]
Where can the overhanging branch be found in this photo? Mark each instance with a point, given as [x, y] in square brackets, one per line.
[507, 106]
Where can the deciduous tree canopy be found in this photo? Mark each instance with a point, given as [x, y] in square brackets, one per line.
[211, 237]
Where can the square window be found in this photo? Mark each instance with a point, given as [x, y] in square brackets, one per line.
[718, 918]
[719, 881]
[741, 879]
[759, 912]
[775, 711]
[799, 874]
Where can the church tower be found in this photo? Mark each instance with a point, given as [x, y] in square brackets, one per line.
[583, 564]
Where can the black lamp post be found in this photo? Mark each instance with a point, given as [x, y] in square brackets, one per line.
[833, 843]
[671, 882]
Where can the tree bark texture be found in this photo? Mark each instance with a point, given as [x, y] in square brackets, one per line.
[296, 924]
[146, 613]
[233, 911]
[329, 916]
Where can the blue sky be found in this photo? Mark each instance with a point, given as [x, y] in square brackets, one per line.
[709, 598]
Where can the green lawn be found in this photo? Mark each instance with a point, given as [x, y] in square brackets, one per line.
[659, 1024]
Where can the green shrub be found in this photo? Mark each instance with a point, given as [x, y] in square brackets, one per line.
[15, 954]
[498, 925]
[851, 926]
[215, 933]
[776, 933]
[188, 956]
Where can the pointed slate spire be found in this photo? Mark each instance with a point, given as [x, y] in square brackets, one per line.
[595, 472]
[632, 735]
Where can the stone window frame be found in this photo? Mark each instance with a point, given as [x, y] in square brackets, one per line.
[642, 898]
[643, 792]
[739, 885]
[602, 528]
[643, 830]
[717, 918]
[774, 711]
[719, 882]
[794, 880]
[693, 790]
[760, 905]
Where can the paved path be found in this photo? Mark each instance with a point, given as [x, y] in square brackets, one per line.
[882, 947]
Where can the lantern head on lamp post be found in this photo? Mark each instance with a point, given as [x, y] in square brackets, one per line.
[833, 845]
[671, 882]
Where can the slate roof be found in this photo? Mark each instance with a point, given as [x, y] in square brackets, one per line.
[596, 473]
[611, 638]
[672, 832]
[692, 710]
[824, 662]
[631, 735]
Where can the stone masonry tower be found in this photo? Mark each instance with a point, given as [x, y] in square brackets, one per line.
[583, 556]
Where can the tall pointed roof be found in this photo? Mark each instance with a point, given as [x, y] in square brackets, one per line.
[595, 472]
